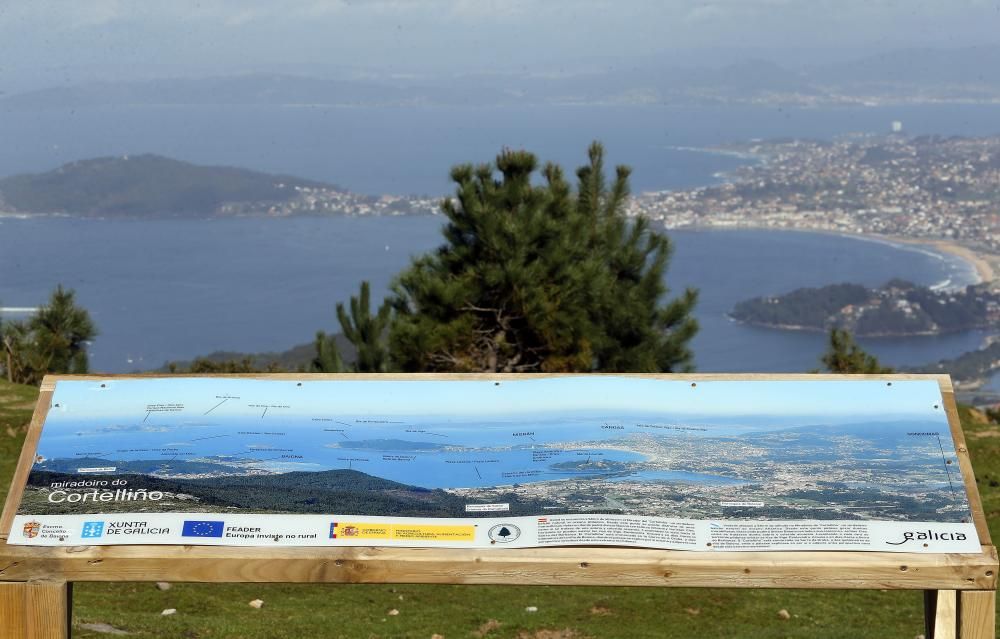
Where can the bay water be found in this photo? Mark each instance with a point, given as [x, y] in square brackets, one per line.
[162, 290]
[172, 289]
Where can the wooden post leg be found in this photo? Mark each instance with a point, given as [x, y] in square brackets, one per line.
[35, 609]
[940, 614]
[12, 609]
[977, 614]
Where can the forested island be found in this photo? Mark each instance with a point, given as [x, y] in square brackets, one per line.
[145, 186]
[899, 308]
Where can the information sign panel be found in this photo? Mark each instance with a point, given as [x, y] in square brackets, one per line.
[477, 463]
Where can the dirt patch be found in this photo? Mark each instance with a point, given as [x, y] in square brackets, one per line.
[977, 416]
[982, 434]
[600, 611]
[545, 633]
[486, 628]
[104, 628]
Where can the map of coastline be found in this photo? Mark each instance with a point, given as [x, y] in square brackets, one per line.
[442, 449]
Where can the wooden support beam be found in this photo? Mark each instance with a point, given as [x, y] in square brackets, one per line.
[12, 609]
[524, 566]
[977, 614]
[35, 609]
[945, 616]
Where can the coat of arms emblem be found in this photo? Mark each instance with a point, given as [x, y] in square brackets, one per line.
[31, 529]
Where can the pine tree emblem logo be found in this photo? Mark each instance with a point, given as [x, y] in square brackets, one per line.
[504, 533]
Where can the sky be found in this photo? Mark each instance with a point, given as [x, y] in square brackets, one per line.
[128, 400]
[59, 41]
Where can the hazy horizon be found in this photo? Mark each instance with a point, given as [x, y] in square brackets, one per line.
[54, 43]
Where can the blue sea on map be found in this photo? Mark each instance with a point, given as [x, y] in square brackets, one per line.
[519, 445]
[425, 458]
[520, 435]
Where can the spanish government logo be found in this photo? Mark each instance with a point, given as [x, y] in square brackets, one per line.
[504, 533]
[92, 529]
[202, 529]
[31, 529]
[343, 530]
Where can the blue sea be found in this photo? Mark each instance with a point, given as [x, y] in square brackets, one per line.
[409, 150]
[164, 290]
[174, 289]
[461, 452]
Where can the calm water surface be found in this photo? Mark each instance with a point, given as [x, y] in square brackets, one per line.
[169, 289]
[173, 289]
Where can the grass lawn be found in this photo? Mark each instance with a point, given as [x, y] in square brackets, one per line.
[496, 612]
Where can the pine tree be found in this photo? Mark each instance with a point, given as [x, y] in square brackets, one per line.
[843, 355]
[365, 331]
[54, 340]
[533, 277]
[638, 335]
[19, 362]
[327, 359]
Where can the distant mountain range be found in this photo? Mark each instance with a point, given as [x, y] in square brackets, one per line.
[150, 185]
[915, 75]
[250, 89]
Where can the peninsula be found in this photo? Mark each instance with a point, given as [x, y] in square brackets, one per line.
[898, 309]
[938, 191]
[148, 186]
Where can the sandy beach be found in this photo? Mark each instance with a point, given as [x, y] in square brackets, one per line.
[987, 265]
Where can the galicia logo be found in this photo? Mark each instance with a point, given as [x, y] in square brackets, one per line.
[202, 529]
[927, 535]
[92, 529]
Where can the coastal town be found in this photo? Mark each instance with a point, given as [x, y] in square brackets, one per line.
[780, 474]
[322, 200]
[929, 189]
[940, 191]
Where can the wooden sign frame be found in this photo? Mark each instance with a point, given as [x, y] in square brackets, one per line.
[959, 589]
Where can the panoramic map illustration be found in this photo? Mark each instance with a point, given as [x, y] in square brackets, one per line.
[613, 460]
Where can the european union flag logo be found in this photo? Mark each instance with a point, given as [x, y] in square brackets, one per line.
[92, 529]
[202, 529]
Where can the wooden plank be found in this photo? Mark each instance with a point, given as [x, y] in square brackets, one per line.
[977, 614]
[12, 609]
[946, 615]
[47, 610]
[965, 467]
[24, 463]
[548, 566]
